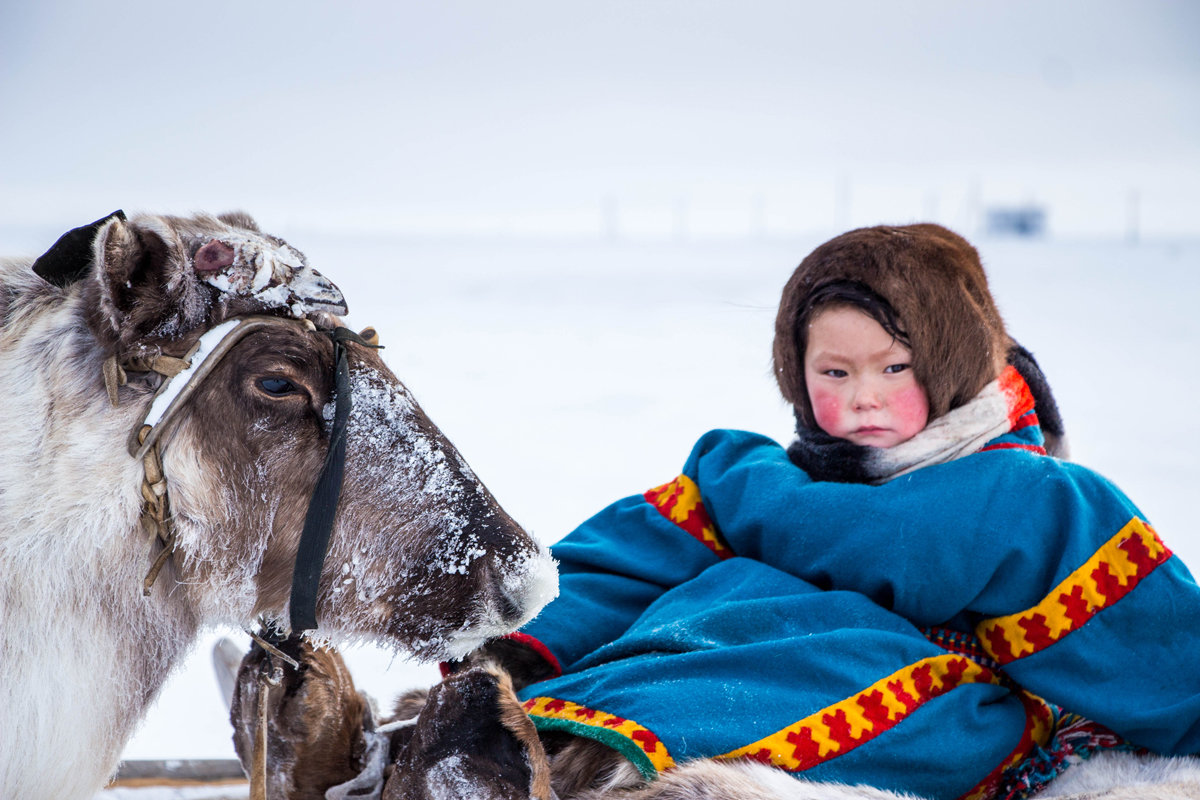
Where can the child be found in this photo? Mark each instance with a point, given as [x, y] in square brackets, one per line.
[908, 597]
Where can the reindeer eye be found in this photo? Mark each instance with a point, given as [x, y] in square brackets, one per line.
[277, 387]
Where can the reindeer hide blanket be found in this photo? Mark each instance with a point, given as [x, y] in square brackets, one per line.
[921, 635]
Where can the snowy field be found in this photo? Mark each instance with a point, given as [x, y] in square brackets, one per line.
[578, 217]
[573, 372]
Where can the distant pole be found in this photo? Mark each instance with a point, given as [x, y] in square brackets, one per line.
[841, 202]
[1133, 216]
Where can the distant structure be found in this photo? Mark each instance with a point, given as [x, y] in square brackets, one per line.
[1027, 221]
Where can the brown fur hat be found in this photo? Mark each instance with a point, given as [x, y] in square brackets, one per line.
[934, 282]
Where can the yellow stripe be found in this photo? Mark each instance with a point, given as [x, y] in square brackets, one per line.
[843, 726]
[640, 736]
[688, 512]
[687, 497]
[1075, 600]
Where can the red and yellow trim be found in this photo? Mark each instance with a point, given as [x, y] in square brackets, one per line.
[680, 502]
[627, 737]
[843, 726]
[820, 737]
[1039, 729]
[1110, 574]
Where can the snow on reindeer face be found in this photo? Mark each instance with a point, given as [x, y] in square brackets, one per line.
[269, 271]
[420, 555]
[449, 571]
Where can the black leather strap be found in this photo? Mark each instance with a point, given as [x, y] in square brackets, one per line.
[322, 508]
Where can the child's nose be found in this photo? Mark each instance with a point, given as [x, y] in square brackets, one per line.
[866, 397]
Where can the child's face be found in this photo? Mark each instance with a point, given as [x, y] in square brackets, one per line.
[860, 380]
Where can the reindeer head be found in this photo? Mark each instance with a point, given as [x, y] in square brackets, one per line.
[420, 553]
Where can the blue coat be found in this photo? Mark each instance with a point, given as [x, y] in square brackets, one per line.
[916, 636]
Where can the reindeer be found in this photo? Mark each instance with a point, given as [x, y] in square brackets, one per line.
[469, 737]
[192, 439]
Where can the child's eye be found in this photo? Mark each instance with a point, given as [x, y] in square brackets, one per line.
[894, 368]
[835, 373]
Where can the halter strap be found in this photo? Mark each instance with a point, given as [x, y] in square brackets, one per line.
[202, 359]
[322, 508]
[173, 395]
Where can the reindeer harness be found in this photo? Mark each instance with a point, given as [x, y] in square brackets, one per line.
[67, 262]
[172, 397]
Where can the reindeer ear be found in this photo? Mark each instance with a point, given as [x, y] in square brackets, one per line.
[68, 260]
[239, 219]
[132, 280]
[160, 277]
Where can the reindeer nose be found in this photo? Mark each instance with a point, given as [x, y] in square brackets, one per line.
[505, 599]
[510, 609]
[518, 585]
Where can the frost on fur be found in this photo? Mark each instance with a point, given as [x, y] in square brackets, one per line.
[421, 556]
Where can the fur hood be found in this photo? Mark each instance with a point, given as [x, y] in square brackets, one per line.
[934, 281]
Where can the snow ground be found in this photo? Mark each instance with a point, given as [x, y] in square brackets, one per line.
[573, 372]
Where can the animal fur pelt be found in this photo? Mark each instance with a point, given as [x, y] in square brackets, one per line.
[1128, 776]
[468, 737]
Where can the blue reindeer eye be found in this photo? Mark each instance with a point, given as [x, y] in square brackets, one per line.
[277, 386]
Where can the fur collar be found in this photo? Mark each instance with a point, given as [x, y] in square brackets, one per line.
[991, 413]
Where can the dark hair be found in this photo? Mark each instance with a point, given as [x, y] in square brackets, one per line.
[848, 293]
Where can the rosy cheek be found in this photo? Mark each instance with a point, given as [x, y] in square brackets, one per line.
[827, 410]
[912, 406]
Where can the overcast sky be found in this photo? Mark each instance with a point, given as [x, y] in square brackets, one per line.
[635, 116]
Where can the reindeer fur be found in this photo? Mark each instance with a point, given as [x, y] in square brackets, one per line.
[421, 555]
[463, 727]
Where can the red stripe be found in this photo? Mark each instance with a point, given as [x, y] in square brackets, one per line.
[1016, 392]
[536, 645]
[531, 642]
[1027, 421]
[1033, 448]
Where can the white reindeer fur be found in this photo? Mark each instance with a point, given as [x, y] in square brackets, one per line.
[74, 560]
[1128, 776]
[82, 652]
[1105, 776]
